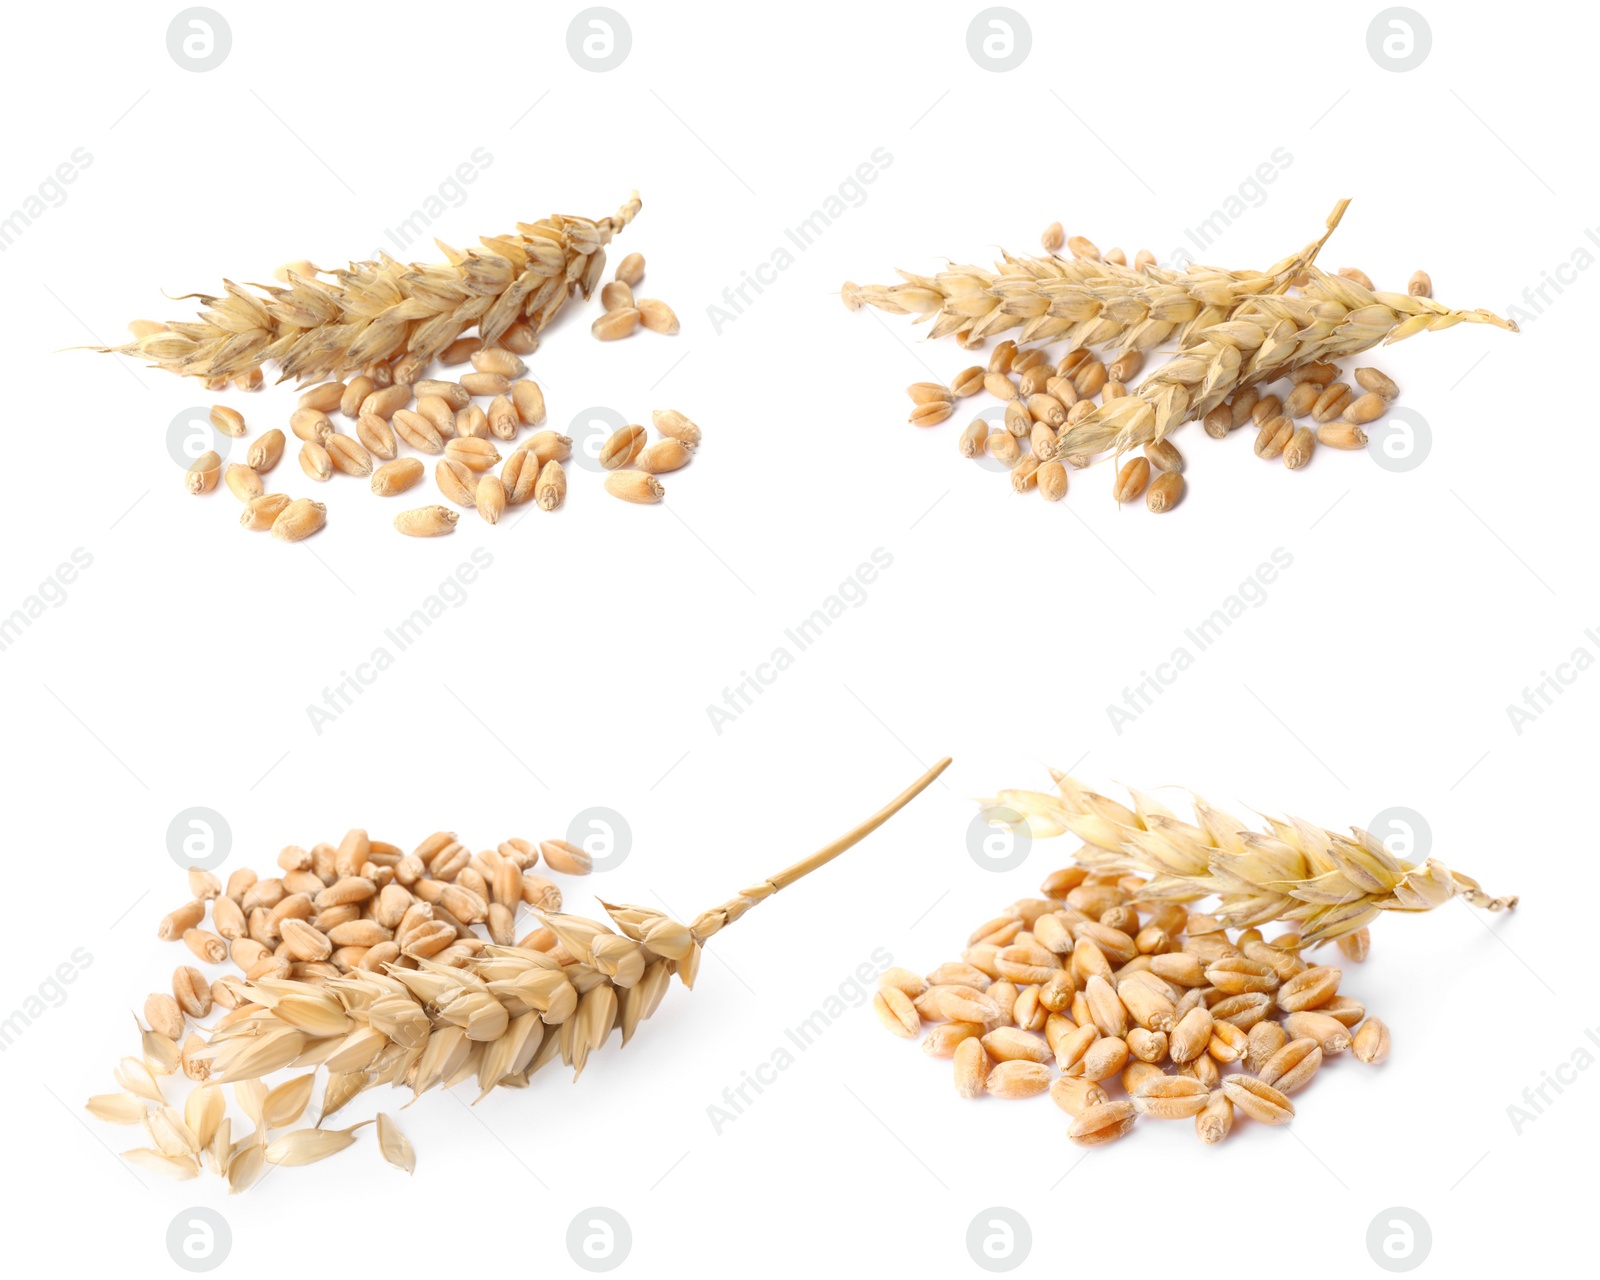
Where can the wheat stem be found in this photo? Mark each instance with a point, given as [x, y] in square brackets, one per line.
[716, 918]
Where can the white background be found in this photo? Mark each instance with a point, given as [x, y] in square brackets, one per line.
[579, 670]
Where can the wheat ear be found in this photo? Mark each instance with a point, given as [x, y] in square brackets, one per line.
[387, 310]
[1278, 334]
[1086, 302]
[1328, 884]
[498, 1014]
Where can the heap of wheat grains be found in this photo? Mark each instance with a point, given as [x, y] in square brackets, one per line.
[372, 330]
[367, 962]
[1110, 981]
[1231, 334]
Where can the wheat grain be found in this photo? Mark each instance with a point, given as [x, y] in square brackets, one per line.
[491, 499]
[1341, 435]
[1364, 409]
[426, 522]
[471, 423]
[396, 477]
[1331, 403]
[228, 421]
[265, 451]
[622, 447]
[242, 481]
[347, 455]
[1273, 437]
[1165, 492]
[669, 422]
[634, 486]
[550, 487]
[203, 472]
[1101, 1123]
[1299, 402]
[1297, 452]
[657, 316]
[615, 324]
[311, 425]
[1131, 479]
[316, 462]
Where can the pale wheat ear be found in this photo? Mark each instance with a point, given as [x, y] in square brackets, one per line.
[1086, 301]
[384, 311]
[1324, 883]
[365, 960]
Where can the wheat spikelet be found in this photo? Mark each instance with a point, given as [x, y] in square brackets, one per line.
[1328, 884]
[497, 1014]
[384, 309]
